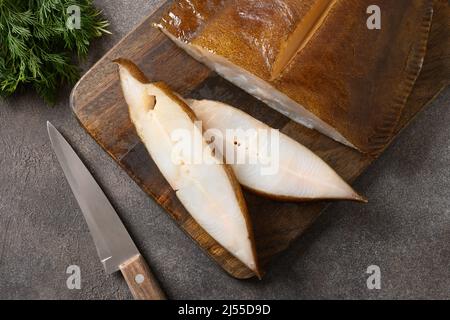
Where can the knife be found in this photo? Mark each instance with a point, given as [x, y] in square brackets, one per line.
[115, 247]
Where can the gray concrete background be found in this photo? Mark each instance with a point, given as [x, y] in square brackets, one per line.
[405, 229]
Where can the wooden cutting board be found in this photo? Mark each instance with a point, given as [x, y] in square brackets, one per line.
[98, 104]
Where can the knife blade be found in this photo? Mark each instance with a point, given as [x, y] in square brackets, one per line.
[114, 245]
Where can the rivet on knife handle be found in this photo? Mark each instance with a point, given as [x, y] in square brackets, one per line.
[143, 285]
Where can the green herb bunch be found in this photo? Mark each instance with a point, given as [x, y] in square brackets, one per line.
[38, 47]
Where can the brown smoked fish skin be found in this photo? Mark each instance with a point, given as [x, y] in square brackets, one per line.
[354, 79]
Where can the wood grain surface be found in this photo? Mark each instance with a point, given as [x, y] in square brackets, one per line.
[98, 104]
[141, 281]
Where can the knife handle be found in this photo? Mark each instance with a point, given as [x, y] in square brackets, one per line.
[141, 282]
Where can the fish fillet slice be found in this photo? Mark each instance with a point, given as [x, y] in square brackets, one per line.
[208, 191]
[301, 175]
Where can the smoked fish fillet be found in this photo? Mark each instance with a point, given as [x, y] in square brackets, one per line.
[315, 61]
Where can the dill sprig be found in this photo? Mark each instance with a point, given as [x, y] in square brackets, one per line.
[38, 49]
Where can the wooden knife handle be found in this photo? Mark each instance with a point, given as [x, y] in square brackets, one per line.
[143, 285]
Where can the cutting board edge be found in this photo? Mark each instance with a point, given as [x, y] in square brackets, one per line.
[105, 57]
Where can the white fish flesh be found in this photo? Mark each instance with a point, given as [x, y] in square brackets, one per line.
[299, 174]
[209, 191]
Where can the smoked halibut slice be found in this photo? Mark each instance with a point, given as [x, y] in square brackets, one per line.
[315, 61]
[288, 172]
[207, 188]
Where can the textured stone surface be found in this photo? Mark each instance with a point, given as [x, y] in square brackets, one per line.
[405, 229]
